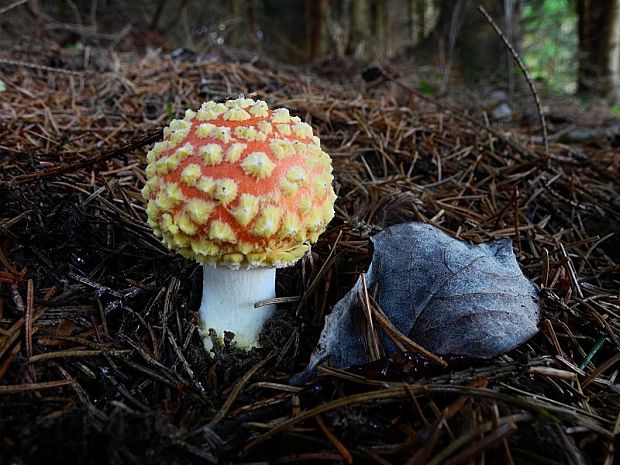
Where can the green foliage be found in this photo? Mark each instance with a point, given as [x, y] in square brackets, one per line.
[425, 87]
[170, 111]
[550, 42]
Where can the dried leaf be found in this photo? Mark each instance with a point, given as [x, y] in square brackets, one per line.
[449, 296]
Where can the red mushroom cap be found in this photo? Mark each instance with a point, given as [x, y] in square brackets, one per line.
[236, 183]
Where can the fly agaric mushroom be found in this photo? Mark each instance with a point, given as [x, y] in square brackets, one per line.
[243, 190]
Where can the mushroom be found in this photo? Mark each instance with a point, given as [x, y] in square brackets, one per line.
[243, 190]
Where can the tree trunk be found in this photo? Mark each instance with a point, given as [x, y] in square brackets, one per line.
[233, 11]
[599, 49]
[252, 24]
[316, 15]
[421, 22]
[360, 29]
[377, 23]
[464, 42]
[410, 21]
[387, 28]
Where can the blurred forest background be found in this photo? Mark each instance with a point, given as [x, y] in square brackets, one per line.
[569, 46]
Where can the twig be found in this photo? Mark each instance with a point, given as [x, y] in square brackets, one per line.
[552, 372]
[554, 338]
[74, 354]
[571, 450]
[609, 458]
[389, 328]
[66, 168]
[28, 317]
[480, 429]
[571, 271]
[600, 370]
[24, 64]
[517, 213]
[460, 115]
[374, 348]
[488, 441]
[422, 455]
[308, 291]
[537, 406]
[277, 300]
[10, 6]
[22, 388]
[517, 58]
[340, 447]
[237, 390]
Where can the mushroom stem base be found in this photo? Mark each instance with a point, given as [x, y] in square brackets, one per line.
[228, 298]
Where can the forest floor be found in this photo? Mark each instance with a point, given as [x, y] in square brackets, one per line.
[100, 357]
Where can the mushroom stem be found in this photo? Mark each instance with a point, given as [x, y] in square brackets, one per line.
[228, 297]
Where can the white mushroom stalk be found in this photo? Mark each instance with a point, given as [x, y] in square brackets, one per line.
[228, 298]
[243, 190]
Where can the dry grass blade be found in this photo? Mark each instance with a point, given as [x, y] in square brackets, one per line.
[553, 373]
[421, 456]
[236, 390]
[342, 450]
[600, 370]
[399, 392]
[475, 433]
[489, 441]
[399, 337]
[23, 388]
[28, 318]
[374, 347]
[12, 5]
[74, 354]
[611, 447]
[70, 167]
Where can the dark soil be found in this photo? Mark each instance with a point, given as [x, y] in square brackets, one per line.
[100, 357]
